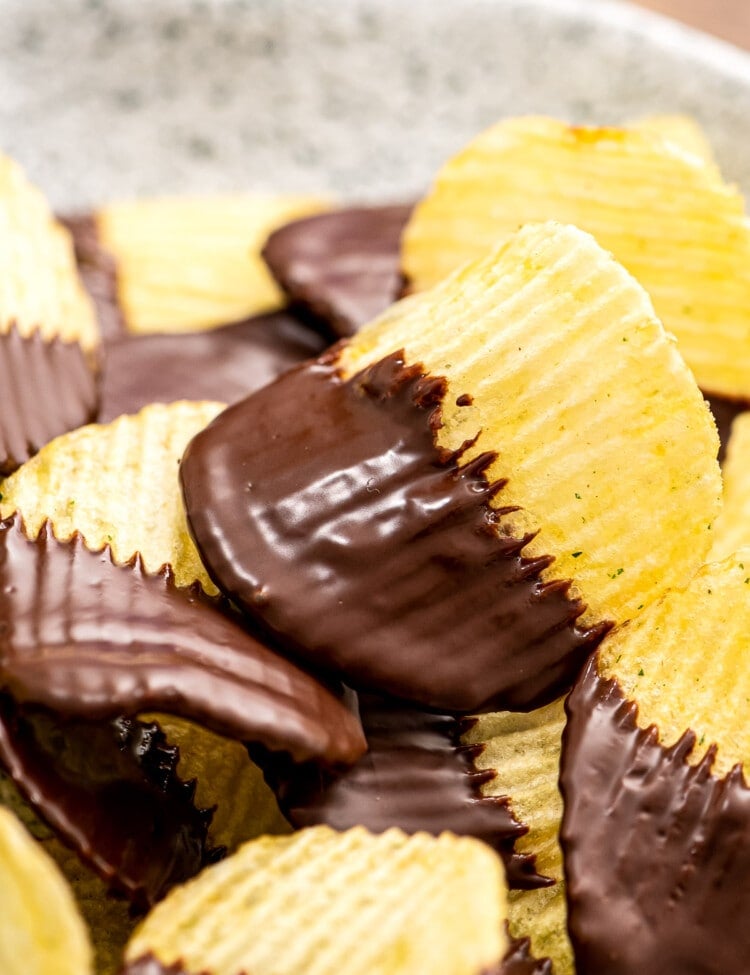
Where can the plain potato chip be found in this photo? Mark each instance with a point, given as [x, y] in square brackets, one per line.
[661, 208]
[524, 752]
[682, 131]
[607, 444]
[41, 930]
[117, 485]
[327, 902]
[185, 264]
[39, 284]
[731, 529]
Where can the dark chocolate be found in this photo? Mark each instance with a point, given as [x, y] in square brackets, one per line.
[46, 389]
[150, 965]
[657, 851]
[725, 412]
[340, 267]
[98, 270]
[326, 511]
[416, 775]
[90, 639]
[222, 364]
[520, 961]
[111, 791]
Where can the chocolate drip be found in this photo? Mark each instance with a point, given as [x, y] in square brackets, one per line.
[98, 271]
[520, 961]
[325, 510]
[657, 851]
[340, 267]
[110, 790]
[46, 389]
[725, 412]
[150, 965]
[219, 364]
[91, 639]
[416, 775]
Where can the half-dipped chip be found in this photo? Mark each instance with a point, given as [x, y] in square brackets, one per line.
[452, 517]
[41, 930]
[663, 210]
[186, 264]
[328, 902]
[656, 824]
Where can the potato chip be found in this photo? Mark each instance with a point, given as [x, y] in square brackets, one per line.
[185, 264]
[117, 485]
[524, 752]
[662, 210]
[732, 526]
[330, 902]
[226, 780]
[39, 284]
[682, 131]
[41, 930]
[606, 442]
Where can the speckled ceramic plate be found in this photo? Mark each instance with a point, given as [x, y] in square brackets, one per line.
[105, 98]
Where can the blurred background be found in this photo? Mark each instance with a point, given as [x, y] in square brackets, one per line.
[729, 19]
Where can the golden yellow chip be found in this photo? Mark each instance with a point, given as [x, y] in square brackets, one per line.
[684, 661]
[682, 131]
[658, 204]
[524, 752]
[41, 931]
[117, 484]
[324, 902]
[732, 527]
[607, 444]
[185, 264]
[227, 781]
[39, 283]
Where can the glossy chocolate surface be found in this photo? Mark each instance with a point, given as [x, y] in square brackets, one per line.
[416, 775]
[340, 267]
[111, 791]
[98, 271]
[520, 961]
[326, 511]
[46, 389]
[91, 639]
[223, 364]
[657, 851]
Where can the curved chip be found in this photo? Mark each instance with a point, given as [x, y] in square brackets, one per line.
[117, 485]
[416, 775]
[471, 497]
[656, 827]
[332, 902]
[41, 930]
[98, 271]
[342, 267]
[662, 209]
[222, 363]
[185, 264]
[522, 751]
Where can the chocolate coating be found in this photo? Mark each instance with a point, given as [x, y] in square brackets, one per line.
[725, 412]
[364, 548]
[222, 364]
[91, 639]
[657, 851]
[111, 791]
[46, 389]
[416, 775]
[150, 965]
[98, 271]
[341, 267]
[520, 961]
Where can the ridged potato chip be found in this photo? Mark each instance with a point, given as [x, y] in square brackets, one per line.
[731, 529]
[117, 485]
[524, 752]
[661, 208]
[327, 902]
[39, 283]
[607, 444]
[41, 930]
[682, 130]
[191, 263]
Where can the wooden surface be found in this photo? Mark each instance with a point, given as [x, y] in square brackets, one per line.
[729, 19]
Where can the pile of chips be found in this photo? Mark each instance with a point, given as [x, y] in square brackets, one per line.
[370, 601]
